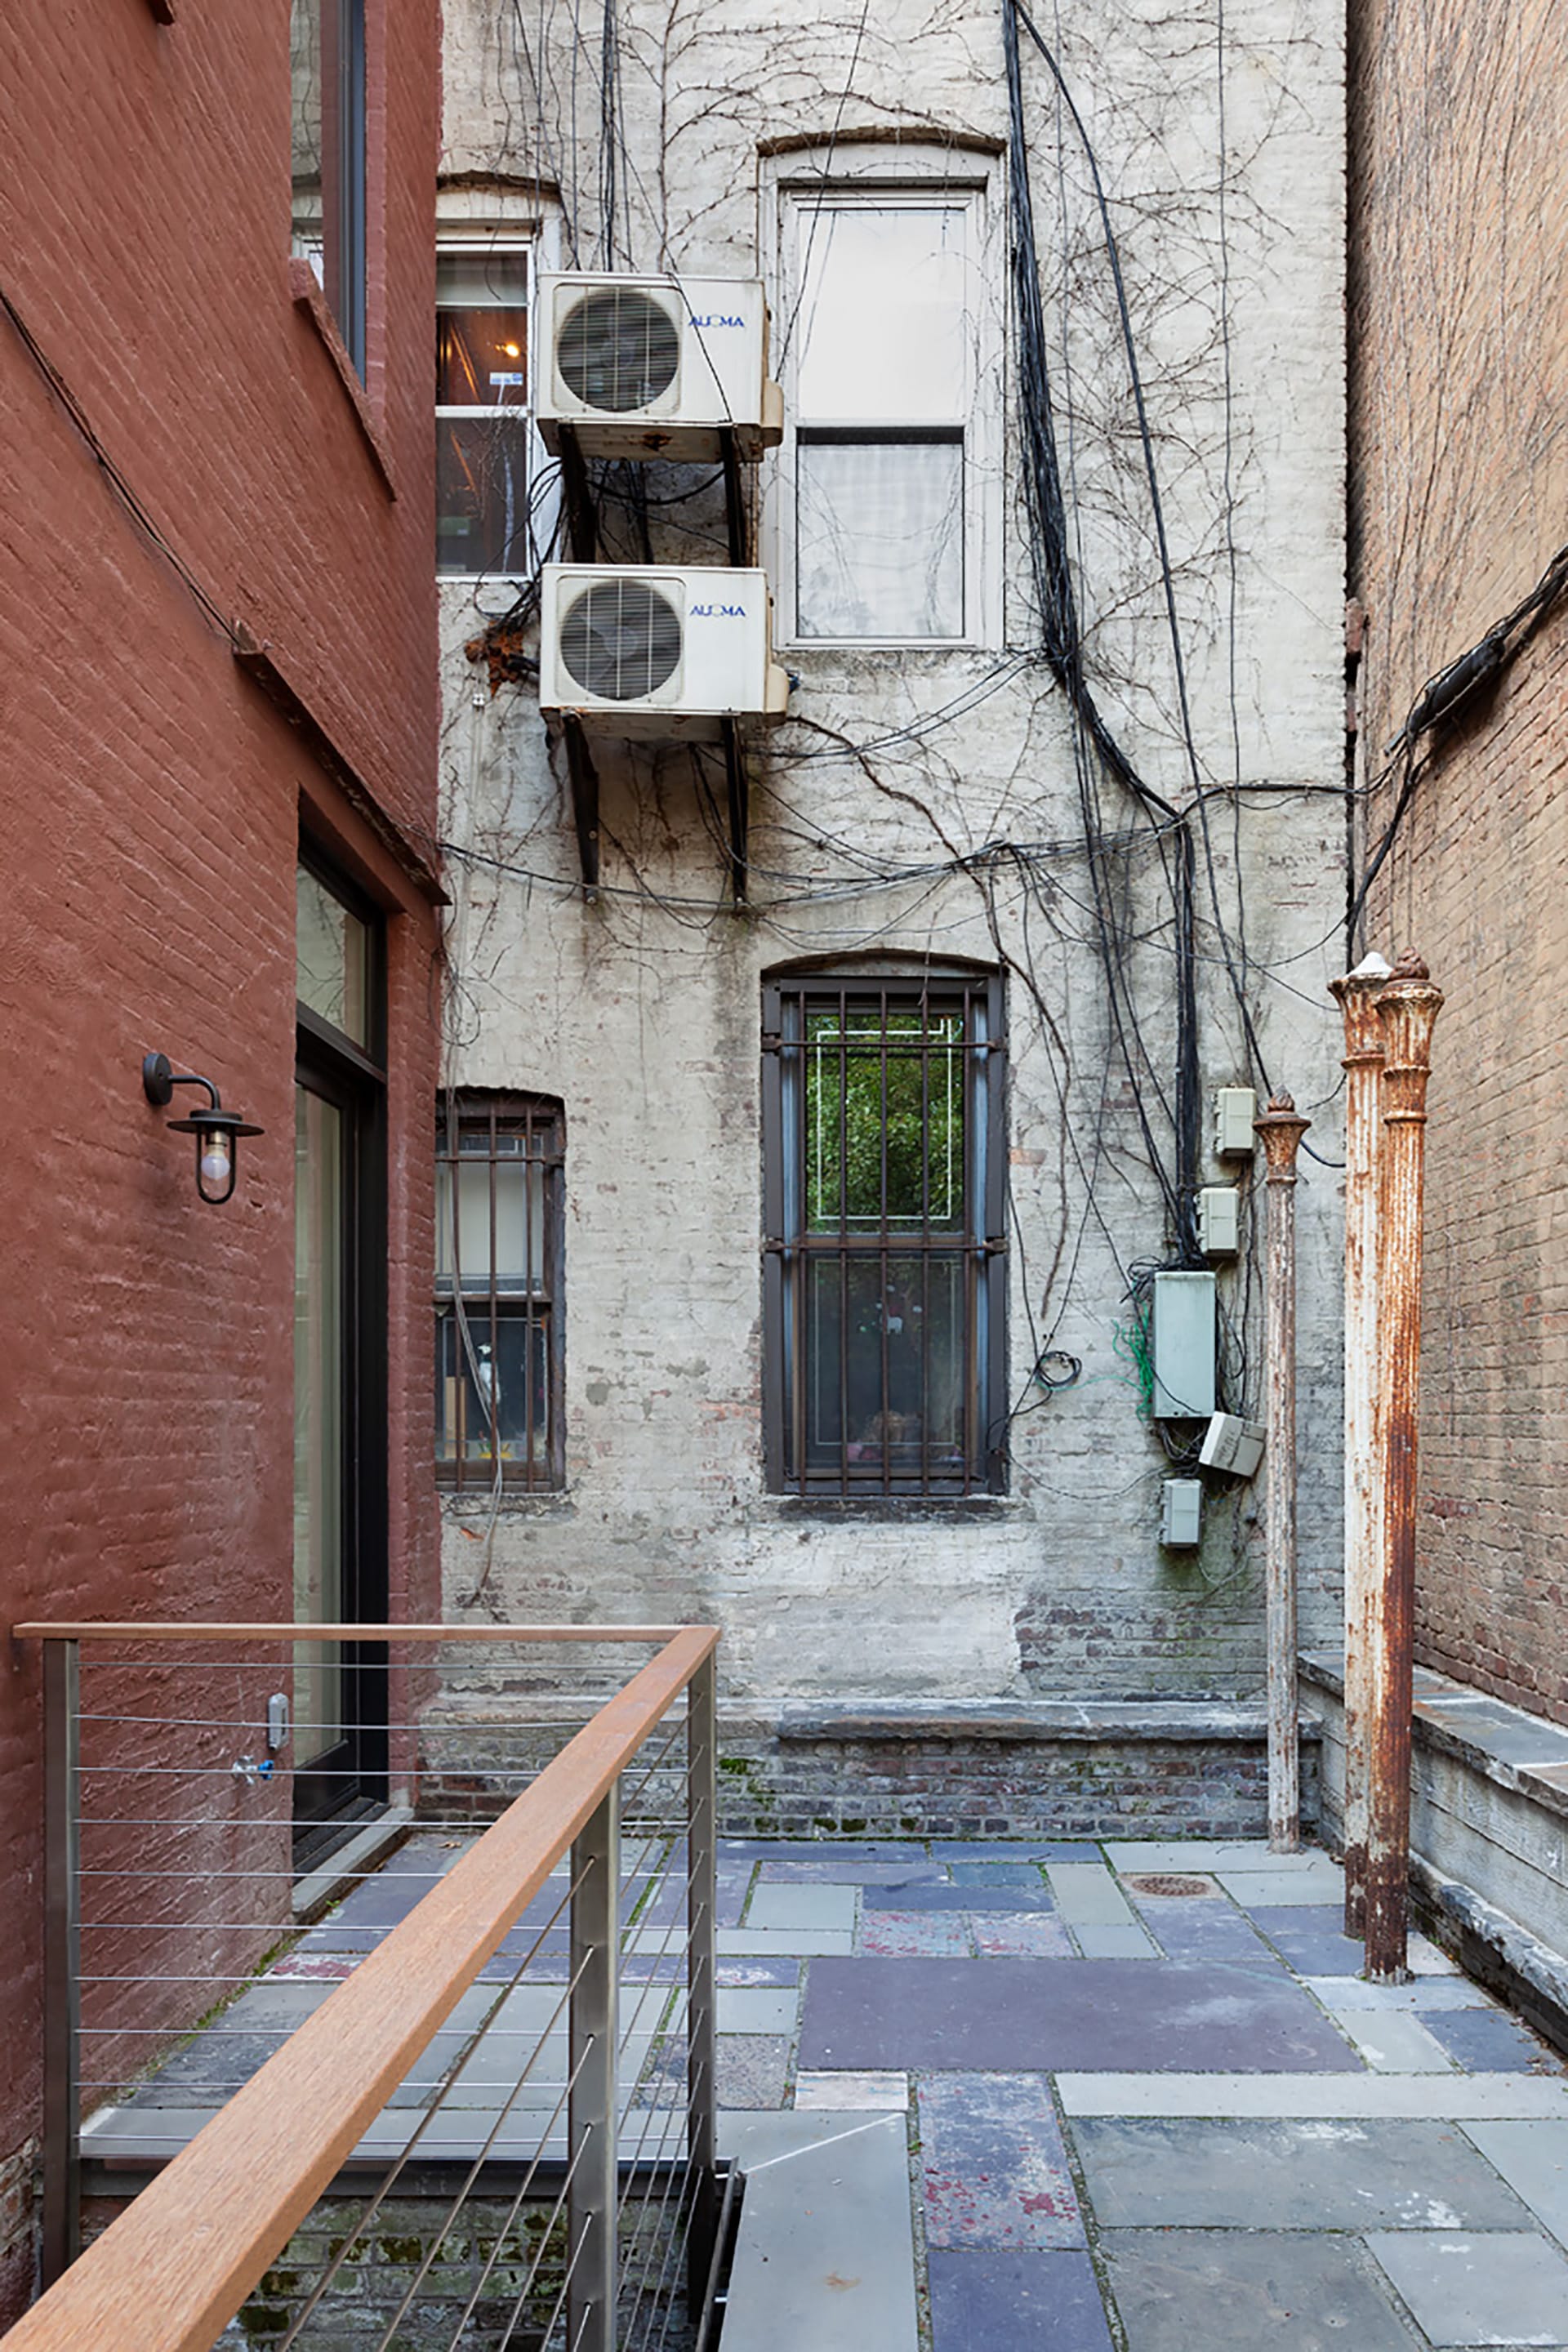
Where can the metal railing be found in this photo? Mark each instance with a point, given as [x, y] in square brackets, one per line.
[514, 2024]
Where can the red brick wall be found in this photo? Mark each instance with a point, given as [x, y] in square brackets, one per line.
[1460, 479]
[151, 799]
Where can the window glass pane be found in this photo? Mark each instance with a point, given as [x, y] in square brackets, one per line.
[493, 1395]
[886, 326]
[305, 77]
[319, 1381]
[519, 1223]
[482, 503]
[332, 958]
[884, 1368]
[326, 64]
[879, 539]
[481, 328]
[884, 1118]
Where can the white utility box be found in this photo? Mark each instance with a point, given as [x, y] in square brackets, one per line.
[1235, 1109]
[1181, 1347]
[1231, 1444]
[1181, 1512]
[1219, 1220]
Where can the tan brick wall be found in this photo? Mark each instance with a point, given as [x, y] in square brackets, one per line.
[1459, 495]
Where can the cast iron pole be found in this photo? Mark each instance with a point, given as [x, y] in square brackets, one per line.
[1281, 1129]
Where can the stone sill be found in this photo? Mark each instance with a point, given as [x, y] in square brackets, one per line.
[1506, 1745]
[1206, 1722]
[842, 1509]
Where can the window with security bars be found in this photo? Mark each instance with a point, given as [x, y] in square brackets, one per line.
[498, 1292]
[885, 1267]
[481, 406]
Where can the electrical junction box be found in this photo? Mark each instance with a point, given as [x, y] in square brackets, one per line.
[1181, 1347]
[1181, 1512]
[1231, 1444]
[1235, 1109]
[1219, 1220]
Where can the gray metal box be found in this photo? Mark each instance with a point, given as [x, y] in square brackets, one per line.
[1219, 1220]
[1235, 1109]
[1181, 1344]
[1181, 1512]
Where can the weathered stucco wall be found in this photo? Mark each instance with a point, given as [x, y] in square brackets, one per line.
[1220, 150]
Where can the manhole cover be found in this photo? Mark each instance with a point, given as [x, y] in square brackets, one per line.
[1165, 1882]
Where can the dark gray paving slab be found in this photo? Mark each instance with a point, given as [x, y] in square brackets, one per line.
[819, 1849]
[838, 1873]
[1199, 1928]
[1227, 2290]
[985, 2302]
[973, 1897]
[1312, 1937]
[1491, 2041]
[1090, 2016]
[995, 2166]
[1289, 2176]
[1506, 2287]
[1022, 1875]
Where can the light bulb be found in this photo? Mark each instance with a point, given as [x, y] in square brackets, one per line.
[217, 1165]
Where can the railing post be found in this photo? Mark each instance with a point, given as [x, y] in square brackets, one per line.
[1281, 1129]
[593, 2122]
[1363, 1065]
[1407, 1006]
[62, 1961]
[701, 2090]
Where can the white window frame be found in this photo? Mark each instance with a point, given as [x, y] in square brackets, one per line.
[485, 221]
[904, 176]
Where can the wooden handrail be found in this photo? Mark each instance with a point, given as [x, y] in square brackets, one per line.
[172, 1630]
[173, 2269]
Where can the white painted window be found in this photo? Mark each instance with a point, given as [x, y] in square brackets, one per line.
[886, 529]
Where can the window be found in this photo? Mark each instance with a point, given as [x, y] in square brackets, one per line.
[326, 57]
[498, 1292]
[481, 407]
[888, 481]
[885, 1266]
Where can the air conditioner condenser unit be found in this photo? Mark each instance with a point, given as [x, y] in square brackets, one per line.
[655, 367]
[649, 652]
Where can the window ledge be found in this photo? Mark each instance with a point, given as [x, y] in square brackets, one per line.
[307, 295]
[527, 1502]
[947, 1508]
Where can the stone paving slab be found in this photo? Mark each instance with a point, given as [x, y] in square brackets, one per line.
[1191, 1928]
[787, 1907]
[778, 1943]
[984, 2301]
[995, 2167]
[824, 2258]
[915, 1934]
[1457, 2099]
[1533, 2160]
[1148, 2174]
[756, 2009]
[1251, 1888]
[925, 2013]
[1018, 1935]
[1491, 2041]
[908, 1898]
[1022, 1875]
[1239, 2291]
[1311, 1937]
[1424, 1993]
[1014, 1850]
[1116, 1943]
[842, 2089]
[731, 1850]
[1087, 1893]
[1394, 2042]
[1506, 2288]
[834, 1872]
[1205, 1853]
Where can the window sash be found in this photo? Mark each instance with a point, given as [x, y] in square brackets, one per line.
[885, 1281]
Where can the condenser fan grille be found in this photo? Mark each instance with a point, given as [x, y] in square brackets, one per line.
[618, 349]
[620, 639]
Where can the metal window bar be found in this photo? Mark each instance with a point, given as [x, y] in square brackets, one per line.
[919, 1410]
[629, 2184]
[474, 1305]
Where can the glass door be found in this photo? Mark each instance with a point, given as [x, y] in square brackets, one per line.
[339, 1738]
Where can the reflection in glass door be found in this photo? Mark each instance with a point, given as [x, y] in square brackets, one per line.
[320, 1385]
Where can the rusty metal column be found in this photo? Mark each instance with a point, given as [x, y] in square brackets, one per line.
[1407, 1006]
[1363, 1065]
[1281, 1129]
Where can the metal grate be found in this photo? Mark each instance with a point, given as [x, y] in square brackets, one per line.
[885, 1212]
[621, 639]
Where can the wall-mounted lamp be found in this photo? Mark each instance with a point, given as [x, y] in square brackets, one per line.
[217, 1131]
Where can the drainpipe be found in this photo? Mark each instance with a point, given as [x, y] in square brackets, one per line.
[1281, 1129]
[1362, 1065]
[1407, 1006]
